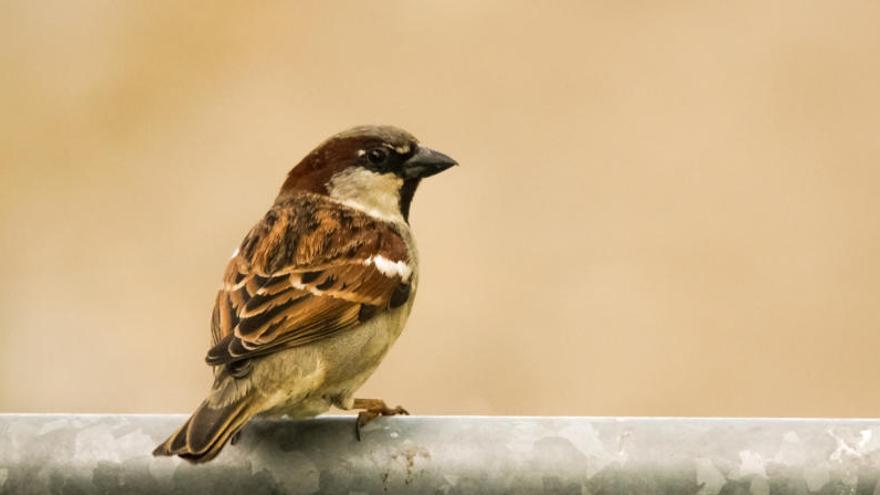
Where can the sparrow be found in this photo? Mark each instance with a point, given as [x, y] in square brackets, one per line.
[317, 292]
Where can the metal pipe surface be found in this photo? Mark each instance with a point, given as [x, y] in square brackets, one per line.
[85, 454]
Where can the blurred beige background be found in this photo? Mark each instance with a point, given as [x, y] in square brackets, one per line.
[663, 208]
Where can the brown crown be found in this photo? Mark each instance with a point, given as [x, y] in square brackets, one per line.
[339, 152]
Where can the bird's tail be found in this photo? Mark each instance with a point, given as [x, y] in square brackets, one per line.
[209, 428]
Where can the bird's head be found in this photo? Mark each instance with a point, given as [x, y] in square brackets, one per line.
[373, 168]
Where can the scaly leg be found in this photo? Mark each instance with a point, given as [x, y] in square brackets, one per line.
[372, 409]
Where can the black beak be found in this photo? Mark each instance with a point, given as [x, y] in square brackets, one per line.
[425, 163]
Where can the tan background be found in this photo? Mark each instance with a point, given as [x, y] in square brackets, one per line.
[663, 208]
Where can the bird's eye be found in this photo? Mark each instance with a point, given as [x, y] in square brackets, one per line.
[377, 156]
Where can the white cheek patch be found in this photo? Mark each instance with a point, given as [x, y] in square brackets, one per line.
[376, 194]
[390, 268]
[234, 253]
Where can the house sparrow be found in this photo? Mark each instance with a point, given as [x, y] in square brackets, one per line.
[317, 292]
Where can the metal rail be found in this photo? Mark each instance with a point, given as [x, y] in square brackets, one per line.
[88, 454]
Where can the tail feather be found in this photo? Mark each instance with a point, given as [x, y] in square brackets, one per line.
[205, 433]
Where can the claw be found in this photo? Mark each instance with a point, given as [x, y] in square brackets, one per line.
[397, 410]
[235, 438]
[373, 408]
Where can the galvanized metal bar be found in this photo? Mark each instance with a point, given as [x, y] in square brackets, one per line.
[469, 455]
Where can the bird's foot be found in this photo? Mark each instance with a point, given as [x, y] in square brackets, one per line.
[372, 409]
[235, 438]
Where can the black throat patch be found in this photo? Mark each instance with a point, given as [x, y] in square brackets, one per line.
[407, 191]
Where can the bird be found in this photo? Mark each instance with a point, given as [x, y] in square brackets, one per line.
[317, 292]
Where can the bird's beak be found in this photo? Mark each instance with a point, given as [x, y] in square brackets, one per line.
[425, 163]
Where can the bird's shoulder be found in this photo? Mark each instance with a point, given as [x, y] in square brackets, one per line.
[312, 230]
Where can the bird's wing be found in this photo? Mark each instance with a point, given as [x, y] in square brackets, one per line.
[311, 268]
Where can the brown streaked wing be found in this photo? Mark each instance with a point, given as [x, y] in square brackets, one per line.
[301, 275]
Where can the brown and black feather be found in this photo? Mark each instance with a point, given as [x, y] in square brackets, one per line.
[302, 274]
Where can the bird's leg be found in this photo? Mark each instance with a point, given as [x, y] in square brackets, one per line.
[372, 409]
